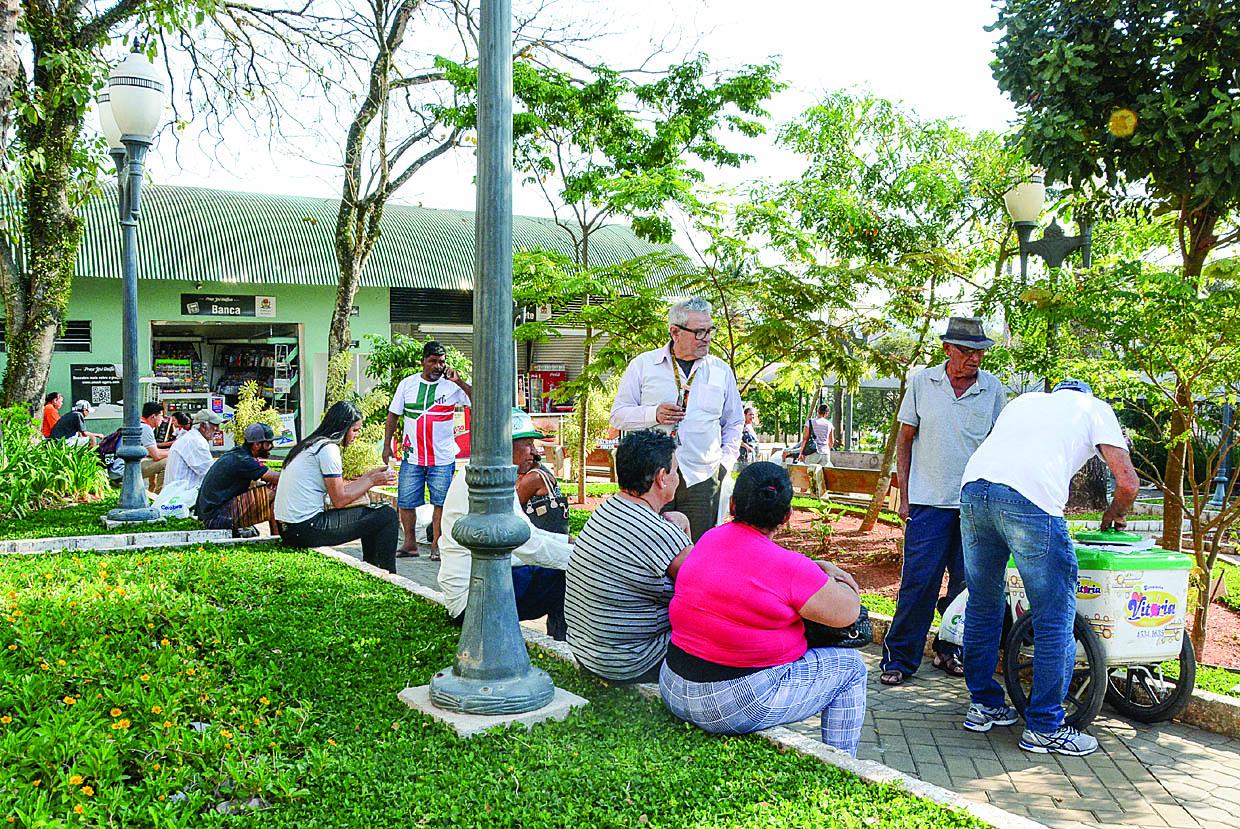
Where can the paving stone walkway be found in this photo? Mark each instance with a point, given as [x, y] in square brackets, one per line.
[1165, 775]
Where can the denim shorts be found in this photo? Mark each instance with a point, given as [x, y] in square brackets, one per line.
[416, 479]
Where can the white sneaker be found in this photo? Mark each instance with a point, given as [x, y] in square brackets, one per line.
[1067, 740]
[982, 717]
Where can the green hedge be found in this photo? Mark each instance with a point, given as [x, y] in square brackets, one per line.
[82, 519]
[290, 664]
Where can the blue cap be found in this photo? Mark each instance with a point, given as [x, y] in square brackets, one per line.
[1072, 384]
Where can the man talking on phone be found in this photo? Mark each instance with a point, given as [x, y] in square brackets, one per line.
[427, 402]
[684, 391]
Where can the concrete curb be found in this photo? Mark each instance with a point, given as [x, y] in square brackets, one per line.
[784, 738]
[1206, 710]
[117, 541]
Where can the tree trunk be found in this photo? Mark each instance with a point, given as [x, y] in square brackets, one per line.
[1199, 226]
[884, 468]
[11, 72]
[36, 301]
[1201, 615]
[1088, 490]
[583, 412]
[339, 335]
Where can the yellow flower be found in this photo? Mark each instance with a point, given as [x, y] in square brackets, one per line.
[78, 809]
[1122, 123]
[120, 591]
[163, 797]
[122, 724]
[12, 647]
[61, 662]
[330, 741]
[155, 709]
[36, 783]
[43, 666]
[75, 780]
[17, 613]
[6, 719]
[88, 791]
[225, 733]
[103, 574]
[155, 767]
[72, 604]
[145, 677]
[115, 712]
[69, 701]
[263, 700]
[190, 672]
[164, 642]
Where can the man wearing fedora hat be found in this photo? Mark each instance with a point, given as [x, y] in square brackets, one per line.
[947, 411]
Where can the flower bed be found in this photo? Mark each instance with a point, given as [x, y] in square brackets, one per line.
[154, 687]
[83, 519]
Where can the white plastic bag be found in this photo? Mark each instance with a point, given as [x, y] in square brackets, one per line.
[952, 628]
[175, 499]
[725, 495]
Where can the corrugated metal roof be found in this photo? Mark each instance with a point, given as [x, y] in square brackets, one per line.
[195, 233]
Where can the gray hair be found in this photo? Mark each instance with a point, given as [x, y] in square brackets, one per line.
[679, 313]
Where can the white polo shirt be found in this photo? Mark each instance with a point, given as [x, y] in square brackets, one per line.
[1040, 441]
[710, 434]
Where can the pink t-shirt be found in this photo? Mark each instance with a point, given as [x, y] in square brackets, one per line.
[737, 599]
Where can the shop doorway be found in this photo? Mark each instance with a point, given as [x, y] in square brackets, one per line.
[203, 365]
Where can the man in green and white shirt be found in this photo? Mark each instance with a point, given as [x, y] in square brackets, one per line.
[427, 403]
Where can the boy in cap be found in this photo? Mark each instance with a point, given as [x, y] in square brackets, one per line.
[427, 403]
[189, 458]
[238, 489]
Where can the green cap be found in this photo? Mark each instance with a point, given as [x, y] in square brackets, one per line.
[523, 425]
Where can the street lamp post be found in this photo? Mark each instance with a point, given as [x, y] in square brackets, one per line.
[129, 113]
[1222, 481]
[1024, 205]
[492, 672]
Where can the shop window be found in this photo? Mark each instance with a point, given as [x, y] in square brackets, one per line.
[75, 337]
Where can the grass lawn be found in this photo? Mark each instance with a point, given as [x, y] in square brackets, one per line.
[145, 688]
[82, 519]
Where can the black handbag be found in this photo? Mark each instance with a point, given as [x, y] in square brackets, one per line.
[857, 635]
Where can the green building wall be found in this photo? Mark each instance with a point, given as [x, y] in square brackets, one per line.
[99, 300]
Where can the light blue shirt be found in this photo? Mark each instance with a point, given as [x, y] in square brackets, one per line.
[949, 430]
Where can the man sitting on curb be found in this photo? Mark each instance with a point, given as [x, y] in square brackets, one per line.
[238, 490]
[1011, 505]
[538, 581]
[189, 459]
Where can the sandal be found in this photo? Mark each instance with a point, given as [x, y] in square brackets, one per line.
[434, 555]
[407, 554]
[950, 665]
[892, 677]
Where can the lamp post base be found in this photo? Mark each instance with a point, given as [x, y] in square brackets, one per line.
[138, 515]
[511, 695]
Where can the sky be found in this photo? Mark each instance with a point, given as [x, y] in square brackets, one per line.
[933, 56]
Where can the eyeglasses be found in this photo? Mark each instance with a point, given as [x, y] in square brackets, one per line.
[698, 333]
[969, 352]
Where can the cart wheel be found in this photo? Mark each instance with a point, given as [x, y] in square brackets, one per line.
[1086, 691]
[1147, 693]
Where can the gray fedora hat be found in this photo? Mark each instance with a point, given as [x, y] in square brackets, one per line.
[966, 332]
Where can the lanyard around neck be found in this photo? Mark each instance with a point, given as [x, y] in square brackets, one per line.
[682, 388]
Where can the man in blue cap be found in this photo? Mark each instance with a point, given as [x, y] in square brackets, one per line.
[1011, 505]
[538, 565]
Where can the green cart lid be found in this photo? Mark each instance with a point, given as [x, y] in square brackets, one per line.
[1151, 558]
[1108, 537]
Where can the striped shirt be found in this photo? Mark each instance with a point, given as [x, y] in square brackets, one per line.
[428, 409]
[618, 590]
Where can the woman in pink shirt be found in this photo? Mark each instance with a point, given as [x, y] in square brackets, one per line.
[738, 661]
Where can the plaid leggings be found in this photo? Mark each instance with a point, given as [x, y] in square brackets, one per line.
[830, 681]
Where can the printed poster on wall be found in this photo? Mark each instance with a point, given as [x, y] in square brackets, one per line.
[97, 383]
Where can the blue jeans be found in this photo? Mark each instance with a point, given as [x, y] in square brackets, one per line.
[414, 480]
[931, 545]
[997, 521]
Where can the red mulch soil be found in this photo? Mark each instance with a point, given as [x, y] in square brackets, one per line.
[874, 561]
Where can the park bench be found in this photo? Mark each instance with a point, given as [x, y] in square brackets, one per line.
[831, 481]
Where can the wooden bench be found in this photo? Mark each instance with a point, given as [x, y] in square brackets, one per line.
[855, 484]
